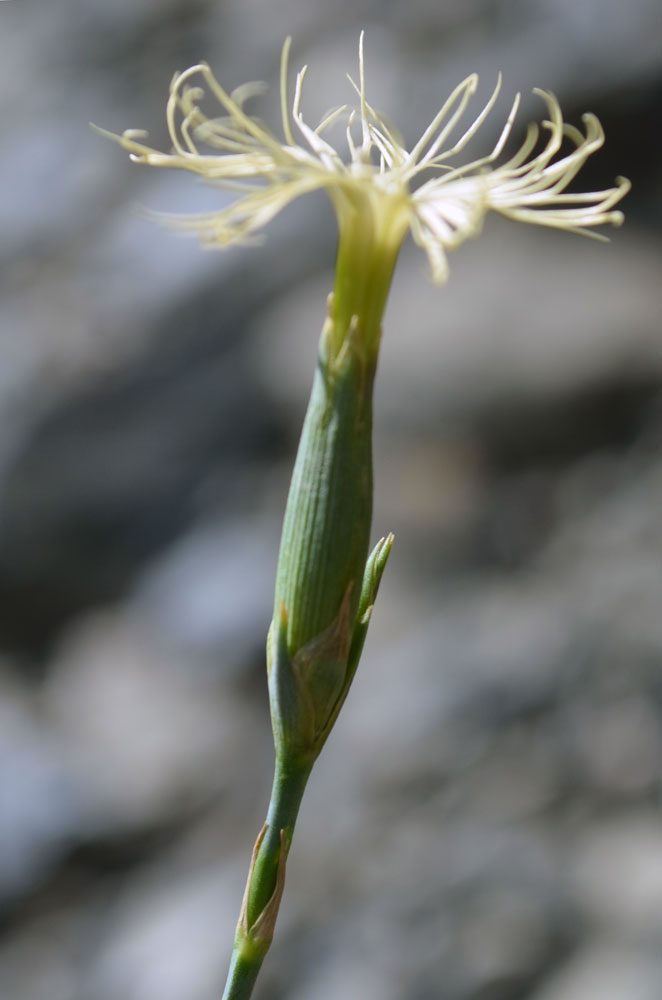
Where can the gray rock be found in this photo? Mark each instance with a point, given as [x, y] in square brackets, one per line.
[608, 971]
[151, 738]
[212, 593]
[42, 804]
[617, 871]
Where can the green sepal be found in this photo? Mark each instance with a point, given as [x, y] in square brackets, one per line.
[372, 577]
[292, 717]
[304, 689]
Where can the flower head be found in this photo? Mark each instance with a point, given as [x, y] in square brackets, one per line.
[392, 188]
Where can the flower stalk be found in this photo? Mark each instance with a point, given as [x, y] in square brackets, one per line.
[266, 880]
[326, 583]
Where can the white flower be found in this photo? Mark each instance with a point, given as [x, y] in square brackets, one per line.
[379, 176]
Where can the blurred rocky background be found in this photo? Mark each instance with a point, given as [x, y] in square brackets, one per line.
[486, 822]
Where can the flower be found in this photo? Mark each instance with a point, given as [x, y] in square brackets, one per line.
[381, 179]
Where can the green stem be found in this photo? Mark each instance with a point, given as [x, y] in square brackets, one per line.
[265, 879]
[325, 583]
[287, 791]
[241, 977]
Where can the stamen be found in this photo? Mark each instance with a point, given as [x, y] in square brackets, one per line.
[264, 137]
[386, 154]
[436, 145]
[184, 129]
[245, 91]
[284, 100]
[398, 153]
[351, 145]
[331, 117]
[469, 86]
[475, 126]
[324, 151]
[527, 147]
[457, 172]
[364, 114]
[174, 101]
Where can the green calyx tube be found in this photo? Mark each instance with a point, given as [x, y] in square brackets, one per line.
[326, 531]
[324, 546]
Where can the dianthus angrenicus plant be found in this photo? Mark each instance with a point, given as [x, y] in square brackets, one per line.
[381, 189]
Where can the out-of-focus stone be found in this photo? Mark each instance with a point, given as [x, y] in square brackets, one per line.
[619, 745]
[351, 980]
[617, 871]
[504, 939]
[42, 961]
[211, 593]
[149, 736]
[168, 938]
[42, 803]
[606, 970]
